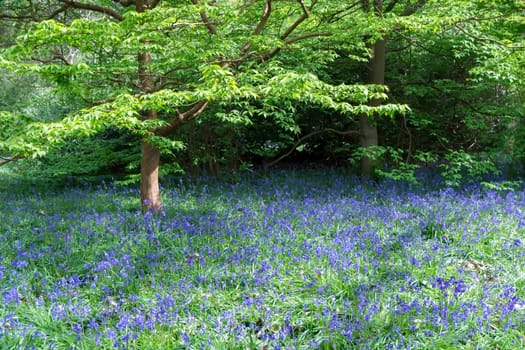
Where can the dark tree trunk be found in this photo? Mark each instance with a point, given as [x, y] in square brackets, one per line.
[377, 67]
[367, 125]
[376, 75]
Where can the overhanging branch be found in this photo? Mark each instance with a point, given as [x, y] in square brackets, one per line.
[53, 58]
[212, 28]
[32, 17]
[276, 50]
[340, 14]
[299, 20]
[57, 12]
[191, 113]
[95, 8]
[480, 38]
[307, 136]
[264, 19]
[262, 23]
[6, 160]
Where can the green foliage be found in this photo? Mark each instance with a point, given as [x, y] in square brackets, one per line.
[503, 186]
[459, 73]
[235, 71]
[461, 166]
[456, 166]
[456, 72]
[12, 135]
[396, 167]
[16, 93]
[109, 152]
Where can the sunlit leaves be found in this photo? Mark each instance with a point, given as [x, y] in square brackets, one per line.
[206, 52]
[347, 99]
[220, 81]
[166, 145]
[12, 129]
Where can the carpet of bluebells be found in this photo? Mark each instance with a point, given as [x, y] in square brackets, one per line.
[312, 259]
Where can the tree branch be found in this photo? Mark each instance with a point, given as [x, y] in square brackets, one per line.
[275, 51]
[32, 17]
[181, 118]
[480, 38]
[294, 25]
[299, 20]
[307, 136]
[95, 8]
[307, 36]
[183, 24]
[340, 14]
[54, 57]
[212, 28]
[411, 9]
[264, 19]
[365, 5]
[260, 26]
[291, 29]
[303, 6]
[8, 160]
[58, 11]
[390, 6]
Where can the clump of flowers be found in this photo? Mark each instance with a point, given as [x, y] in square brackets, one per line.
[314, 260]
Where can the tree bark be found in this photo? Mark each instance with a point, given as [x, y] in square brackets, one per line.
[376, 68]
[150, 156]
[368, 126]
[149, 178]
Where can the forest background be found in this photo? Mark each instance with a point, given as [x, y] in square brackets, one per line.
[217, 87]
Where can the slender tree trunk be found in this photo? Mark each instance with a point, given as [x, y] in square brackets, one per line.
[150, 156]
[376, 67]
[369, 138]
[368, 126]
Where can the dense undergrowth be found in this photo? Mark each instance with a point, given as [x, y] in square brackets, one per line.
[295, 260]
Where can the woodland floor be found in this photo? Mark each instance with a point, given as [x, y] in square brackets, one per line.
[313, 259]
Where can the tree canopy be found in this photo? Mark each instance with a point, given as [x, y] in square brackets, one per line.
[150, 68]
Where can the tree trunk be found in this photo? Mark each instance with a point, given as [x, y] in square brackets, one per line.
[150, 157]
[369, 138]
[376, 75]
[376, 68]
[368, 126]
[149, 178]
